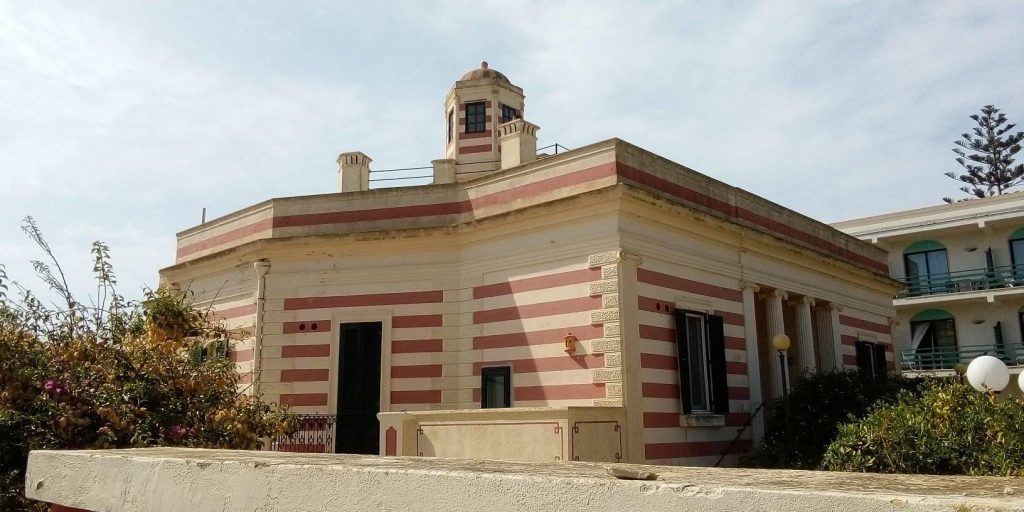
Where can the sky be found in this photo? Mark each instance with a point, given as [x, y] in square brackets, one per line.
[120, 121]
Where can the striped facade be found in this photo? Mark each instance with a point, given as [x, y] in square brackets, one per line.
[604, 243]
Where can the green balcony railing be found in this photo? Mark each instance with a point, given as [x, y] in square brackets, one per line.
[963, 281]
[947, 358]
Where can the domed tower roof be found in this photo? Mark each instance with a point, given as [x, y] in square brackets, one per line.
[485, 72]
[474, 108]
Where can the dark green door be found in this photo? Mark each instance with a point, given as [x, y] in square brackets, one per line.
[359, 389]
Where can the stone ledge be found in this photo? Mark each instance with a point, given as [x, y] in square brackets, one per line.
[174, 479]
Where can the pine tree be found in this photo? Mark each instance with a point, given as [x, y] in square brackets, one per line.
[988, 156]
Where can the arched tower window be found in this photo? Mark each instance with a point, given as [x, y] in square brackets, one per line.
[927, 268]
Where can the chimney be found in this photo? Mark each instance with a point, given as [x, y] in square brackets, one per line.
[518, 139]
[444, 171]
[353, 172]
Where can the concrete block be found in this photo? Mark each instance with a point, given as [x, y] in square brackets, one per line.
[604, 315]
[609, 272]
[612, 329]
[601, 259]
[601, 287]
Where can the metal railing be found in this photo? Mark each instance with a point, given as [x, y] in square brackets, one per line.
[314, 434]
[947, 358]
[980, 279]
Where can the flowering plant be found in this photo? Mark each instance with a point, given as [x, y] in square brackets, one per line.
[114, 374]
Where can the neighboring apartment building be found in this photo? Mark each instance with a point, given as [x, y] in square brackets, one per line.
[599, 304]
[962, 269]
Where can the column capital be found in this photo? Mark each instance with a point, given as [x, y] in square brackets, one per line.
[808, 300]
[776, 293]
[625, 256]
[745, 285]
[832, 306]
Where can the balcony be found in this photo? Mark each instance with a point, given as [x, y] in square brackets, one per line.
[948, 358]
[975, 280]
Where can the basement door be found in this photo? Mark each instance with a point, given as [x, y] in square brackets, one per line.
[358, 389]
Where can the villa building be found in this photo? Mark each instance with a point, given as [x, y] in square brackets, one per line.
[962, 269]
[598, 304]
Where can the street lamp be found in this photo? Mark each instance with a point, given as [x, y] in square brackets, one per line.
[988, 373]
[780, 342]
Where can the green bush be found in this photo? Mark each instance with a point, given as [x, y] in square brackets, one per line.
[801, 427]
[948, 429]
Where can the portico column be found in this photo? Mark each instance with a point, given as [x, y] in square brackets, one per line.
[805, 335]
[826, 349]
[837, 335]
[776, 325]
[753, 360]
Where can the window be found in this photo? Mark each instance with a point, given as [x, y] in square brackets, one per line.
[210, 350]
[871, 359]
[927, 268]
[1017, 257]
[933, 340]
[508, 113]
[700, 344]
[451, 125]
[475, 117]
[496, 387]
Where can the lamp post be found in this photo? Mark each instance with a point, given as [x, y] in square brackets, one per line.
[780, 342]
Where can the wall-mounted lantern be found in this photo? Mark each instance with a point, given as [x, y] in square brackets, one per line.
[570, 342]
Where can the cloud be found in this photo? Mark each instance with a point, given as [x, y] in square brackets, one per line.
[121, 122]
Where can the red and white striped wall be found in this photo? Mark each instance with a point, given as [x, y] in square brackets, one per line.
[660, 286]
[859, 325]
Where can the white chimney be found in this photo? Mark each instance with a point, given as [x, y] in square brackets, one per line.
[518, 139]
[444, 170]
[353, 172]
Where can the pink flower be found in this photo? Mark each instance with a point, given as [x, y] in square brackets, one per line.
[178, 431]
[54, 387]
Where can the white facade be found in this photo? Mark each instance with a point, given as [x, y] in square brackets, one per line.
[973, 285]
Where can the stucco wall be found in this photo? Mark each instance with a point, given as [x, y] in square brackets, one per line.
[164, 480]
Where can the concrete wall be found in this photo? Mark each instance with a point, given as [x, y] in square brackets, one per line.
[176, 479]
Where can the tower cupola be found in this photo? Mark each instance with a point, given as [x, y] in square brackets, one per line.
[481, 101]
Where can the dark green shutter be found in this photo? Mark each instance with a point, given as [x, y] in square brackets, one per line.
[716, 354]
[881, 369]
[683, 351]
[865, 358]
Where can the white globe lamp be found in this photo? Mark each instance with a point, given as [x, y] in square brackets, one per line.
[987, 373]
[1020, 381]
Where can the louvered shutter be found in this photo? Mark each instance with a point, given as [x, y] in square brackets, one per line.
[881, 369]
[716, 354]
[683, 351]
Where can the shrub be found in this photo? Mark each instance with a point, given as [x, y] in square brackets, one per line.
[949, 429]
[803, 425]
[114, 374]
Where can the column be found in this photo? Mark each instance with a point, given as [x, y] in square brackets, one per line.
[776, 325]
[753, 359]
[805, 335]
[826, 350]
[837, 335]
